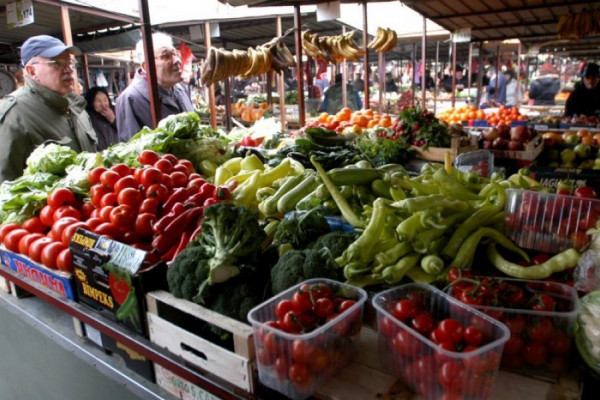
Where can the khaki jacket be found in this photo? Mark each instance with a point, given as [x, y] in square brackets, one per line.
[33, 115]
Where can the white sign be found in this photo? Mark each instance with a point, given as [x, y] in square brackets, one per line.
[462, 35]
[19, 13]
[328, 11]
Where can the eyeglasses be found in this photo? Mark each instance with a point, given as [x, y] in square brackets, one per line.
[168, 55]
[59, 64]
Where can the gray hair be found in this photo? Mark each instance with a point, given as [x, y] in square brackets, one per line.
[159, 40]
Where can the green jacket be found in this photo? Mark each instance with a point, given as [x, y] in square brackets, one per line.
[33, 115]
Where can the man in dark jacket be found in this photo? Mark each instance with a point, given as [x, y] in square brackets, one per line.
[543, 88]
[585, 99]
[45, 109]
[333, 101]
[133, 105]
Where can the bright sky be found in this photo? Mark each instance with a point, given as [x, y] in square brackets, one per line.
[390, 14]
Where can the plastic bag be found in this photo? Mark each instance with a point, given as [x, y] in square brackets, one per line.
[587, 272]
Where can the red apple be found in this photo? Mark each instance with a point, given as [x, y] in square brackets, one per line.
[499, 143]
[490, 134]
[504, 131]
[519, 134]
[487, 144]
[515, 145]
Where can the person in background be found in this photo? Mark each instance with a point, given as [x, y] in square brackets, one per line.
[358, 82]
[585, 99]
[322, 82]
[133, 105]
[332, 102]
[513, 88]
[460, 82]
[102, 113]
[45, 109]
[390, 84]
[500, 97]
[429, 83]
[253, 87]
[545, 86]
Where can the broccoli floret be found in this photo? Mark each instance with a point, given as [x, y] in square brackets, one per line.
[299, 228]
[296, 266]
[232, 236]
[187, 272]
[236, 297]
[336, 242]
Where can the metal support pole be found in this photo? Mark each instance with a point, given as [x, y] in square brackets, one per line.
[423, 57]
[299, 67]
[367, 72]
[469, 69]
[86, 72]
[211, 88]
[381, 72]
[497, 73]
[453, 73]
[519, 92]
[414, 73]
[344, 78]
[435, 72]
[480, 74]
[155, 110]
[281, 81]
[228, 116]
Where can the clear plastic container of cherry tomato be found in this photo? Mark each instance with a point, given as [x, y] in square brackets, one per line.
[540, 316]
[549, 222]
[431, 369]
[297, 347]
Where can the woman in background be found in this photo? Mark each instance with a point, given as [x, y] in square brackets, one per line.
[102, 113]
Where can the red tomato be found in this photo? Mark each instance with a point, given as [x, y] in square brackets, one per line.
[122, 216]
[149, 205]
[5, 228]
[66, 211]
[387, 327]
[194, 185]
[150, 176]
[94, 175]
[539, 329]
[98, 192]
[109, 178]
[405, 344]
[167, 182]
[188, 166]
[107, 229]
[109, 199]
[61, 197]
[404, 310]
[248, 141]
[158, 191]
[94, 222]
[559, 343]
[301, 377]
[50, 254]
[451, 330]
[86, 210]
[515, 323]
[585, 191]
[179, 178]
[60, 225]
[27, 240]
[105, 213]
[148, 157]
[64, 261]
[324, 307]
[264, 357]
[12, 238]
[514, 345]
[302, 351]
[164, 166]
[302, 301]
[579, 239]
[282, 307]
[47, 216]
[423, 323]
[130, 197]
[121, 169]
[535, 353]
[69, 231]
[125, 182]
[542, 302]
[473, 336]
[290, 322]
[36, 247]
[144, 223]
[451, 375]
[345, 305]
[170, 158]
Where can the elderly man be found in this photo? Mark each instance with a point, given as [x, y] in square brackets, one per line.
[585, 99]
[45, 109]
[133, 105]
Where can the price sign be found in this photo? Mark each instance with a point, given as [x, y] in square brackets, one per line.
[19, 13]
[462, 35]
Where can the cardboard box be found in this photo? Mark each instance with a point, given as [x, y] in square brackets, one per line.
[549, 177]
[109, 278]
[60, 282]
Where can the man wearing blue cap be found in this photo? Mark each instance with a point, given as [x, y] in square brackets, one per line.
[45, 109]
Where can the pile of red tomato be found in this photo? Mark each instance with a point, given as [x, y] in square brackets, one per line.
[124, 204]
[536, 313]
[302, 362]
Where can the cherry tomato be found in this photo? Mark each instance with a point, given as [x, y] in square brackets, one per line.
[302, 301]
[451, 330]
[405, 344]
[404, 310]
[50, 254]
[319, 360]
[60, 225]
[61, 197]
[539, 329]
[473, 336]
[302, 351]
[301, 377]
[535, 353]
[130, 197]
[282, 307]
[579, 239]
[12, 238]
[514, 345]
[27, 240]
[264, 357]
[451, 375]
[290, 322]
[143, 224]
[515, 323]
[36, 247]
[423, 323]
[94, 175]
[345, 305]
[148, 157]
[324, 307]
[387, 327]
[585, 191]
[47, 216]
[542, 302]
[281, 367]
[559, 343]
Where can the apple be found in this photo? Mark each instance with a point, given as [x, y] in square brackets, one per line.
[582, 150]
[487, 144]
[490, 134]
[552, 154]
[504, 131]
[587, 164]
[499, 143]
[515, 145]
[519, 134]
[567, 156]
[572, 139]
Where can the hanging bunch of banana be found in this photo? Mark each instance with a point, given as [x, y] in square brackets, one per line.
[332, 49]
[221, 64]
[577, 26]
[385, 40]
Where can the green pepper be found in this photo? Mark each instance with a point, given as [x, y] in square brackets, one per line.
[391, 255]
[560, 262]
[432, 264]
[381, 189]
[408, 228]
[414, 204]
[394, 273]
[423, 240]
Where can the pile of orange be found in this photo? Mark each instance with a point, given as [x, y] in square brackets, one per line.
[248, 111]
[356, 120]
[584, 137]
[459, 114]
[505, 116]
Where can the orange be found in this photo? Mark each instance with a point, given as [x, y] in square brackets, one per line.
[583, 133]
[371, 124]
[589, 140]
[385, 122]
[368, 111]
[361, 121]
[324, 117]
[346, 111]
[342, 116]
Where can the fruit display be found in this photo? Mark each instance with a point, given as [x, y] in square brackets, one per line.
[221, 64]
[571, 149]
[332, 49]
[579, 25]
[540, 316]
[347, 121]
[581, 120]
[505, 138]
[385, 40]
[305, 335]
[436, 345]
[460, 114]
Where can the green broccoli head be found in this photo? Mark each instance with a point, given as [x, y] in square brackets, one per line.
[296, 266]
[299, 228]
[336, 242]
[188, 271]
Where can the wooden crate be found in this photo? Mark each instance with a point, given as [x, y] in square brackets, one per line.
[166, 317]
[532, 150]
[439, 153]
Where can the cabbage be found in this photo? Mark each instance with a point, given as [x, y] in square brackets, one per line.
[51, 158]
[587, 330]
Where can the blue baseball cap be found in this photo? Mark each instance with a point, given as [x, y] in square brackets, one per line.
[44, 46]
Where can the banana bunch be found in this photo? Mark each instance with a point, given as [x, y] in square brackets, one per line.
[221, 64]
[579, 25]
[385, 40]
[332, 49]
